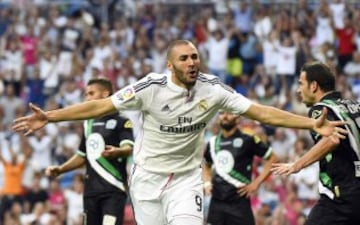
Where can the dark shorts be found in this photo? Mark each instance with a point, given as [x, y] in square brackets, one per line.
[344, 211]
[108, 207]
[230, 213]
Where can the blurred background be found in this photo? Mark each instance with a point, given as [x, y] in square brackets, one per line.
[50, 49]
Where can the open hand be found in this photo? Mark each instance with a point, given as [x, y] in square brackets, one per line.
[31, 123]
[284, 168]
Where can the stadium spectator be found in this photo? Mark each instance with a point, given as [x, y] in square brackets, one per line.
[12, 191]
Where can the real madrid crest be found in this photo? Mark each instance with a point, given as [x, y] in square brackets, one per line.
[203, 106]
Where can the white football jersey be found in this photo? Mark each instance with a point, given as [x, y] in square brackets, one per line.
[173, 119]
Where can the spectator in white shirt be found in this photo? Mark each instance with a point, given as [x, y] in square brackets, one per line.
[283, 142]
[324, 30]
[286, 64]
[352, 68]
[10, 102]
[216, 46]
[263, 24]
[42, 146]
[14, 62]
[48, 68]
[337, 8]
[270, 53]
[74, 201]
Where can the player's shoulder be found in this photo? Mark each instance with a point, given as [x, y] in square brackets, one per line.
[246, 136]
[213, 82]
[120, 117]
[123, 121]
[315, 111]
[208, 78]
[155, 77]
[151, 80]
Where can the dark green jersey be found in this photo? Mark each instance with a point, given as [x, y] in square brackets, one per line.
[104, 175]
[340, 169]
[233, 159]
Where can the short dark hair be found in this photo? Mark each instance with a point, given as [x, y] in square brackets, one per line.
[103, 82]
[174, 44]
[320, 73]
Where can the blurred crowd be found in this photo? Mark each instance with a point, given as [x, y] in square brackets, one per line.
[48, 52]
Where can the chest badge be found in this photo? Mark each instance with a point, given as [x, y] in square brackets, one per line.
[238, 142]
[203, 105]
[225, 161]
[110, 124]
[316, 113]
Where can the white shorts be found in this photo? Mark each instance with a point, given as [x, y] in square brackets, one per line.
[167, 199]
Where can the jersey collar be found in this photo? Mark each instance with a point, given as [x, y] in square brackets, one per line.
[176, 87]
[331, 95]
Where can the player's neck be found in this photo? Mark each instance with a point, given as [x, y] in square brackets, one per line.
[179, 83]
[322, 95]
[228, 133]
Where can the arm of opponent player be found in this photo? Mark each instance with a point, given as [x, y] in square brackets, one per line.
[76, 161]
[117, 152]
[253, 187]
[317, 152]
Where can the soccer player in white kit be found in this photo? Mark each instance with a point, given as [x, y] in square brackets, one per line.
[166, 184]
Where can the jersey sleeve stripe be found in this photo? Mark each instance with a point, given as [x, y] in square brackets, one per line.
[214, 81]
[80, 153]
[268, 153]
[126, 142]
[142, 85]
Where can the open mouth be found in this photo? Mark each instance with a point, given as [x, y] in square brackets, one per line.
[193, 73]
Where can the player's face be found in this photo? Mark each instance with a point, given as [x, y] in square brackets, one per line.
[184, 64]
[227, 120]
[305, 90]
[94, 92]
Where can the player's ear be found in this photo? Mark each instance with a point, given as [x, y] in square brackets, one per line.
[106, 94]
[314, 86]
[169, 65]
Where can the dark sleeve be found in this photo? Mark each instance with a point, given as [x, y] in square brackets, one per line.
[82, 146]
[125, 131]
[315, 112]
[207, 154]
[260, 148]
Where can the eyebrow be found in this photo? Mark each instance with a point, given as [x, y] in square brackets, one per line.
[190, 55]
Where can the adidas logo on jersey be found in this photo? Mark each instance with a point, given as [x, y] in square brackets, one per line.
[166, 108]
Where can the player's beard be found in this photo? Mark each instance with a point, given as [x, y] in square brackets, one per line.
[227, 126]
[182, 77]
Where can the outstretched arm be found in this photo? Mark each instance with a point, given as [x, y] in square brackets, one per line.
[317, 152]
[276, 117]
[251, 188]
[81, 111]
[74, 162]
